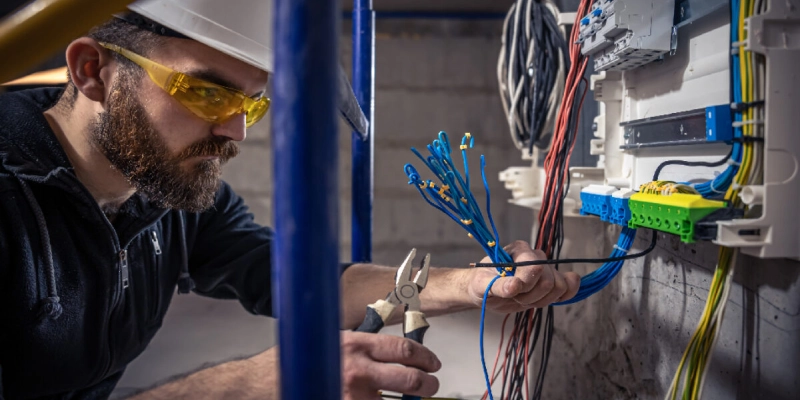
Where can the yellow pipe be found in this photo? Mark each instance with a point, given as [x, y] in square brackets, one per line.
[32, 34]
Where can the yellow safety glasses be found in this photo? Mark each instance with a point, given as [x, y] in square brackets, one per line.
[209, 101]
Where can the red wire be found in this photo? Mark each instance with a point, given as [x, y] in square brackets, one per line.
[551, 201]
[497, 357]
[527, 344]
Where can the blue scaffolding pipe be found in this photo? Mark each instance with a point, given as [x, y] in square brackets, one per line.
[364, 88]
[305, 248]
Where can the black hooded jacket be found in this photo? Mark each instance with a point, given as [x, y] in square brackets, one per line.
[80, 297]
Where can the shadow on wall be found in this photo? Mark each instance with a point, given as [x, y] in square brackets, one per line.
[626, 342]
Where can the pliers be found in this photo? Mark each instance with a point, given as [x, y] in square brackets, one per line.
[406, 291]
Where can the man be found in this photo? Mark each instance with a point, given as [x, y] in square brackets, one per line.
[111, 198]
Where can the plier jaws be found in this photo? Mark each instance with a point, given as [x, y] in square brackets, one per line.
[405, 292]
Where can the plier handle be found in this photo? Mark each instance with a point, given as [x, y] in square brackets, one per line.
[406, 291]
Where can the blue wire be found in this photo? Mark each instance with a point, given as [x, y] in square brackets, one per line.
[483, 319]
[489, 212]
[440, 162]
[601, 277]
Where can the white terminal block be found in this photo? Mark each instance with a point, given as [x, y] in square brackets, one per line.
[602, 190]
[521, 181]
[623, 194]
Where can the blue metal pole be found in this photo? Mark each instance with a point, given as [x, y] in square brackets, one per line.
[305, 250]
[363, 161]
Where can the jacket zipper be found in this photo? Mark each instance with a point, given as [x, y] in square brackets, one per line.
[156, 246]
[154, 273]
[123, 269]
[123, 277]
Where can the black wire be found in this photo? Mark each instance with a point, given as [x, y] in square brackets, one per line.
[573, 260]
[691, 164]
[537, 75]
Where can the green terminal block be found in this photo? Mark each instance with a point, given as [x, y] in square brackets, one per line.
[676, 213]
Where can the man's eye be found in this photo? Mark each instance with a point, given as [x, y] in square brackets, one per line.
[207, 92]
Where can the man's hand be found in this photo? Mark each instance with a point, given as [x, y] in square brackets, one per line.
[373, 362]
[531, 286]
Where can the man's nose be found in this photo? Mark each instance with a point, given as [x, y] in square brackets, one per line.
[234, 128]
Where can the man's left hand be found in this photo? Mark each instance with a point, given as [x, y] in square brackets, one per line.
[532, 286]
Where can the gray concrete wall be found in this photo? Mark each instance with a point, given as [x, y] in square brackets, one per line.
[626, 342]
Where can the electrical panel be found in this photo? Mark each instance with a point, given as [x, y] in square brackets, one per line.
[664, 81]
[622, 35]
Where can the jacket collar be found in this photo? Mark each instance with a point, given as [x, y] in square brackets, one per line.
[28, 146]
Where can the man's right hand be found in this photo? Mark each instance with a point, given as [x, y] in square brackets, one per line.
[373, 362]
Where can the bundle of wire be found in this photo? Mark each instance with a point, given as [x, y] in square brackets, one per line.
[454, 198]
[596, 280]
[529, 324]
[748, 92]
[530, 71]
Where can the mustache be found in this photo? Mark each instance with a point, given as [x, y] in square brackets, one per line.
[221, 147]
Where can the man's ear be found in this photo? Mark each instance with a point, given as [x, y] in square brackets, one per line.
[90, 67]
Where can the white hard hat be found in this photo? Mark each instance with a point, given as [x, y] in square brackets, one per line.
[240, 28]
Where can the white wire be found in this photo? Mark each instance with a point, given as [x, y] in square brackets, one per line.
[511, 82]
[501, 75]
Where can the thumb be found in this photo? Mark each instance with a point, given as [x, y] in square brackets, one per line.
[503, 287]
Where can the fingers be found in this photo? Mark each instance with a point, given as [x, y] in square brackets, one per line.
[573, 284]
[395, 349]
[370, 364]
[398, 378]
[531, 286]
[557, 289]
[525, 277]
[391, 349]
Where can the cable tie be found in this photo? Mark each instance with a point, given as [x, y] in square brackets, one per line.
[470, 235]
[491, 244]
[738, 44]
[466, 221]
[745, 105]
[509, 269]
[468, 135]
[736, 186]
[503, 274]
[463, 147]
[464, 200]
[714, 189]
[620, 249]
[432, 185]
[739, 124]
[732, 162]
[422, 185]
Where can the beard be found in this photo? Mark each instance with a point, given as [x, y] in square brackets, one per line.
[125, 135]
